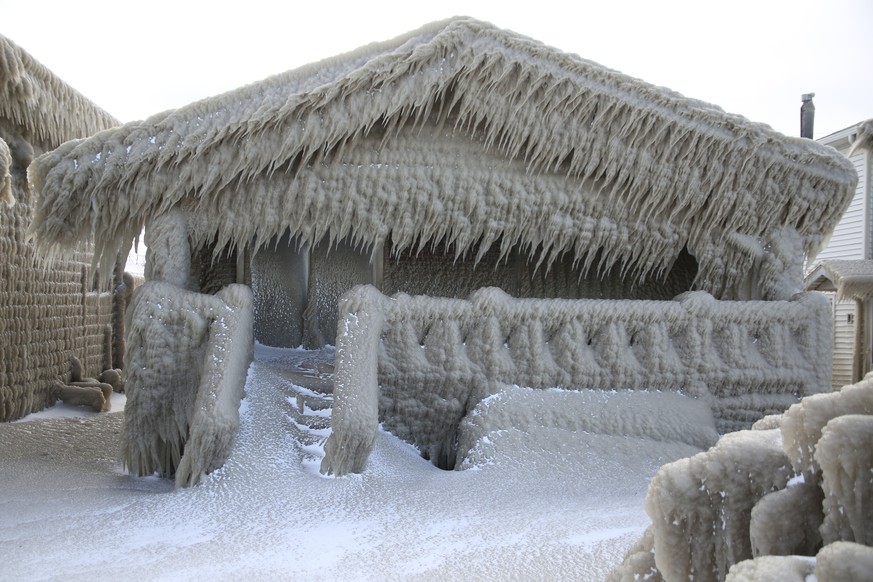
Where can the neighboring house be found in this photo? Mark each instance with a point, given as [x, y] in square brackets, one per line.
[456, 157]
[847, 261]
[49, 311]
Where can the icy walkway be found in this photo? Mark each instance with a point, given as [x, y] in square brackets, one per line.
[69, 512]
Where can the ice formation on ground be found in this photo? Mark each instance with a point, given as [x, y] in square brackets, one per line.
[186, 360]
[786, 490]
[421, 364]
[467, 135]
[534, 512]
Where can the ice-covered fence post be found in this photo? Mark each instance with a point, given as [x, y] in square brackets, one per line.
[355, 417]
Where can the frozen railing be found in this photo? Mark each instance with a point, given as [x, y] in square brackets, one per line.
[419, 364]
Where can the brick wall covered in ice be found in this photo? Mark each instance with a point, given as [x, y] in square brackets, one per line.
[49, 312]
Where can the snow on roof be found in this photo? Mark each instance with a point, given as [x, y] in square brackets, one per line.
[554, 153]
[851, 279]
[45, 109]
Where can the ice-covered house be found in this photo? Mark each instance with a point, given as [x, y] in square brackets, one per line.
[49, 312]
[845, 265]
[456, 157]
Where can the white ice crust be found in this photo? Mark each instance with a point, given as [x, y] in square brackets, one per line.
[420, 364]
[761, 503]
[186, 364]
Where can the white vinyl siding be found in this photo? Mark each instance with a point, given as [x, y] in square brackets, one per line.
[850, 236]
[844, 343]
[851, 240]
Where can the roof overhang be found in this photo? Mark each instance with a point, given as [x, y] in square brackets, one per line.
[849, 279]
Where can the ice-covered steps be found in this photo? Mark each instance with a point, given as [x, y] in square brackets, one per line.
[311, 411]
[305, 381]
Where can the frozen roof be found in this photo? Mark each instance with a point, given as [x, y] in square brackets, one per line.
[42, 108]
[851, 279]
[553, 153]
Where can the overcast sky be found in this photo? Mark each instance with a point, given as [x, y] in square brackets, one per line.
[754, 58]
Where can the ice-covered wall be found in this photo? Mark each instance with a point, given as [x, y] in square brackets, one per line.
[50, 311]
[334, 268]
[427, 362]
[785, 503]
[5, 175]
[211, 271]
[186, 361]
[279, 283]
[437, 271]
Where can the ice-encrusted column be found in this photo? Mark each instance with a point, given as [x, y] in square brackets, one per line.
[186, 361]
[355, 416]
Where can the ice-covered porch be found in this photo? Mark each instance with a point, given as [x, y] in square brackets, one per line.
[531, 512]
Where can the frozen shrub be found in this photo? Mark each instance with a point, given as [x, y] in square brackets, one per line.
[844, 562]
[786, 522]
[845, 455]
[773, 569]
[639, 562]
[701, 506]
[802, 424]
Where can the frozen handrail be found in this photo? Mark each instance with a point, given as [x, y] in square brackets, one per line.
[419, 364]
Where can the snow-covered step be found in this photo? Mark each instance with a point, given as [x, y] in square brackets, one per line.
[314, 403]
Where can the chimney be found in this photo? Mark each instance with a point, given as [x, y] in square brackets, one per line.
[807, 115]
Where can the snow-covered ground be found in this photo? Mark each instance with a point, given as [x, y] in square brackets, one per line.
[531, 511]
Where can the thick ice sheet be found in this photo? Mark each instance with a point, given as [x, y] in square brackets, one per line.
[68, 512]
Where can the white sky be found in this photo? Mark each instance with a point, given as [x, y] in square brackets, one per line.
[754, 58]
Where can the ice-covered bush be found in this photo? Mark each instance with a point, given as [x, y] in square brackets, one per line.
[712, 514]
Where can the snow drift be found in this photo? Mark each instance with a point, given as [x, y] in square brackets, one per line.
[636, 414]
